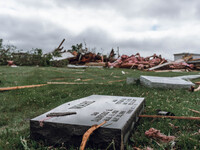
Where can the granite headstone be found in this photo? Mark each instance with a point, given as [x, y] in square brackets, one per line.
[121, 114]
[165, 82]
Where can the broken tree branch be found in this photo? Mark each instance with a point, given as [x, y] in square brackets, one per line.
[88, 133]
[58, 114]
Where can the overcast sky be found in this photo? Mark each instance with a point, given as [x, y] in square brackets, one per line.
[147, 26]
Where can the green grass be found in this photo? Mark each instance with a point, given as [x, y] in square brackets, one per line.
[17, 107]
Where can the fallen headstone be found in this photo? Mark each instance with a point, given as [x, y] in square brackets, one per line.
[165, 82]
[121, 114]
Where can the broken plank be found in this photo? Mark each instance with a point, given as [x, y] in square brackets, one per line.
[197, 89]
[170, 117]
[87, 79]
[71, 83]
[198, 112]
[165, 64]
[116, 81]
[21, 87]
[159, 66]
[197, 82]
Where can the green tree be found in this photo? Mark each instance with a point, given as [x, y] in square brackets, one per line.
[77, 47]
[1, 44]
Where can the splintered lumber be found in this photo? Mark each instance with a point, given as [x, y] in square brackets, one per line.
[159, 66]
[197, 89]
[198, 112]
[170, 117]
[21, 87]
[175, 70]
[59, 47]
[86, 79]
[66, 83]
[116, 81]
[71, 83]
[197, 82]
[165, 64]
[96, 64]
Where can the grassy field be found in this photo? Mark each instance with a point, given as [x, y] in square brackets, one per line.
[17, 107]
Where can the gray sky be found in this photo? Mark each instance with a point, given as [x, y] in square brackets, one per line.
[147, 26]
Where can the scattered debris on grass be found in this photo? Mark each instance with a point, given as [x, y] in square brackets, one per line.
[198, 112]
[173, 126]
[78, 79]
[116, 77]
[62, 78]
[197, 89]
[170, 117]
[87, 80]
[137, 62]
[123, 72]
[72, 83]
[197, 133]
[155, 134]
[116, 81]
[11, 63]
[21, 87]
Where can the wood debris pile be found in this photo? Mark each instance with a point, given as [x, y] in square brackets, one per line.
[82, 58]
[137, 62]
[142, 63]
